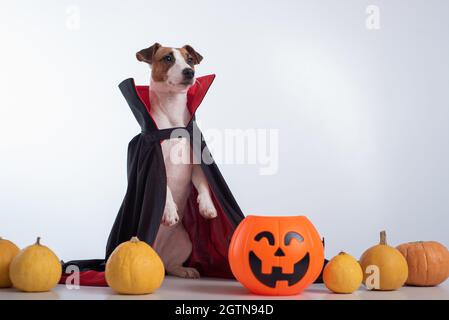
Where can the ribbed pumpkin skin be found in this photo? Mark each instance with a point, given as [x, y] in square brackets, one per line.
[134, 268]
[391, 263]
[35, 269]
[343, 274]
[428, 263]
[8, 251]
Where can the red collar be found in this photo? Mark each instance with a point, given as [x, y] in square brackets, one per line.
[195, 95]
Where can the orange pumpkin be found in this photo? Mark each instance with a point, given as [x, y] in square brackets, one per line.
[276, 255]
[428, 263]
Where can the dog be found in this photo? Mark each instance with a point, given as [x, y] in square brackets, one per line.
[172, 74]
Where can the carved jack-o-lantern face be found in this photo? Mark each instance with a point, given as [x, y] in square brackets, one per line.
[276, 255]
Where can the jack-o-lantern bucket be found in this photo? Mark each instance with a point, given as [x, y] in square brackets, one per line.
[276, 255]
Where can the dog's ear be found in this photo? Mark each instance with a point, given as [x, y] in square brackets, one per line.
[195, 55]
[146, 55]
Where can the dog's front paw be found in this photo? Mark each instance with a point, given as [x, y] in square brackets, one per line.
[170, 216]
[183, 272]
[206, 206]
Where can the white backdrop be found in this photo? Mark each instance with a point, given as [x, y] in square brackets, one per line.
[362, 114]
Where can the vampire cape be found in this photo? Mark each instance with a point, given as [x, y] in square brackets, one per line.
[142, 208]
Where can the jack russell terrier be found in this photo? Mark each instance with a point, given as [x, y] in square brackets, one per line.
[172, 74]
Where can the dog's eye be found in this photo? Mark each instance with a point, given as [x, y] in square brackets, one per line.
[190, 60]
[168, 58]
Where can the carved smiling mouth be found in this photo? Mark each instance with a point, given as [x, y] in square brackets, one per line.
[300, 269]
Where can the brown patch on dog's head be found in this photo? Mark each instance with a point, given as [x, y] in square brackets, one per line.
[146, 55]
[189, 53]
[163, 60]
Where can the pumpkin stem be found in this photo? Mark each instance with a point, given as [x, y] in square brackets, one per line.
[383, 237]
[134, 239]
[341, 253]
[38, 241]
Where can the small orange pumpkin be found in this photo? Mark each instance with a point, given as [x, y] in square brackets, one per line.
[428, 263]
[134, 268]
[276, 255]
[35, 268]
[8, 251]
[390, 268]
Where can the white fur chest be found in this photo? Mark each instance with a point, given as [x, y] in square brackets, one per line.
[170, 110]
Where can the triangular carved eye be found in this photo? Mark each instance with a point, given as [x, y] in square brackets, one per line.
[265, 234]
[292, 235]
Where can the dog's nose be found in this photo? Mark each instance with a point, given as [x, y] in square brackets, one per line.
[188, 73]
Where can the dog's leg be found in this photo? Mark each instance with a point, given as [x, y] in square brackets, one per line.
[205, 203]
[170, 216]
[174, 248]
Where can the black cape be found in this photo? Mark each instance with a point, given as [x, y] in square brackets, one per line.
[142, 207]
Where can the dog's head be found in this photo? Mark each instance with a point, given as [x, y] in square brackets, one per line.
[172, 69]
